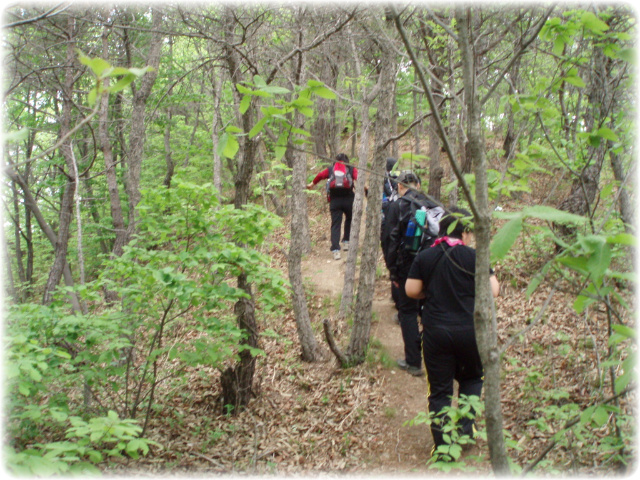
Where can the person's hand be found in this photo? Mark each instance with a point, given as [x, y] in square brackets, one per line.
[309, 186]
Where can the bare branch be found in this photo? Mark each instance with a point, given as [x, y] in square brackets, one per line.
[48, 14]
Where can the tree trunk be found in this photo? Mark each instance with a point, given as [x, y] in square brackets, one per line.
[585, 185]
[364, 302]
[346, 303]
[417, 130]
[66, 207]
[22, 277]
[237, 381]
[436, 172]
[311, 350]
[31, 204]
[117, 217]
[138, 124]
[167, 152]
[509, 144]
[215, 130]
[625, 204]
[484, 313]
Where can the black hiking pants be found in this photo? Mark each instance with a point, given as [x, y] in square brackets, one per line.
[451, 353]
[408, 316]
[339, 206]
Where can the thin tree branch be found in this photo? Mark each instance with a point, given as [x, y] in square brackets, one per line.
[432, 104]
[47, 14]
[326, 324]
[62, 139]
[312, 45]
[524, 46]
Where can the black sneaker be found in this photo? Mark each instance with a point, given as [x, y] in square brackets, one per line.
[415, 371]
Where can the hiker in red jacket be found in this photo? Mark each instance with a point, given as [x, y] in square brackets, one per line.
[341, 179]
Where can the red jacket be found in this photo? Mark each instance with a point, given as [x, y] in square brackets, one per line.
[324, 174]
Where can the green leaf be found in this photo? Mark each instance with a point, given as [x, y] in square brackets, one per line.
[138, 72]
[259, 81]
[275, 90]
[117, 71]
[623, 239]
[593, 23]
[93, 96]
[244, 90]
[625, 331]
[575, 81]
[599, 261]
[581, 303]
[324, 92]
[576, 263]
[307, 112]
[600, 416]
[233, 129]
[245, 103]
[231, 148]
[122, 83]
[18, 136]
[24, 388]
[628, 55]
[258, 127]
[607, 134]
[585, 416]
[505, 238]
[551, 214]
[97, 65]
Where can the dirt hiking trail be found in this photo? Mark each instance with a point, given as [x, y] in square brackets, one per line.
[406, 447]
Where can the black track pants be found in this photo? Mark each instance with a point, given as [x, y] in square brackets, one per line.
[408, 316]
[339, 206]
[450, 353]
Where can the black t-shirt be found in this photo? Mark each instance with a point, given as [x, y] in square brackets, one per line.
[448, 278]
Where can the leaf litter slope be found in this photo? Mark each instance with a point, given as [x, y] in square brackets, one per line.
[305, 418]
[314, 418]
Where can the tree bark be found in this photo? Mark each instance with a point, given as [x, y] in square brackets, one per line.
[360, 333]
[346, 303]
[117, 217]
[168, 158]
[66, 207]
[484, 313]
[311, 350]
[138, 125]
[585, 185]
[215, 131]
[237, 381]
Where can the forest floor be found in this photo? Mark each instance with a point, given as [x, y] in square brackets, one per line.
[316, 418]
[307, 419]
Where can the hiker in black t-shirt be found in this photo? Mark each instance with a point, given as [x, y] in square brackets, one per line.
[444, 276]
[398, 260]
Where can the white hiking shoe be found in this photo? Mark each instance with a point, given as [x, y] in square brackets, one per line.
[336, 254]
[345, 245]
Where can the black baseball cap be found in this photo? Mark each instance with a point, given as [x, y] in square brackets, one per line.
[407, 176]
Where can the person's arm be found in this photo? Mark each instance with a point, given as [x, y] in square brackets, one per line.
[323, 175]
[495, 286]
[392, 238]
[413, 288]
